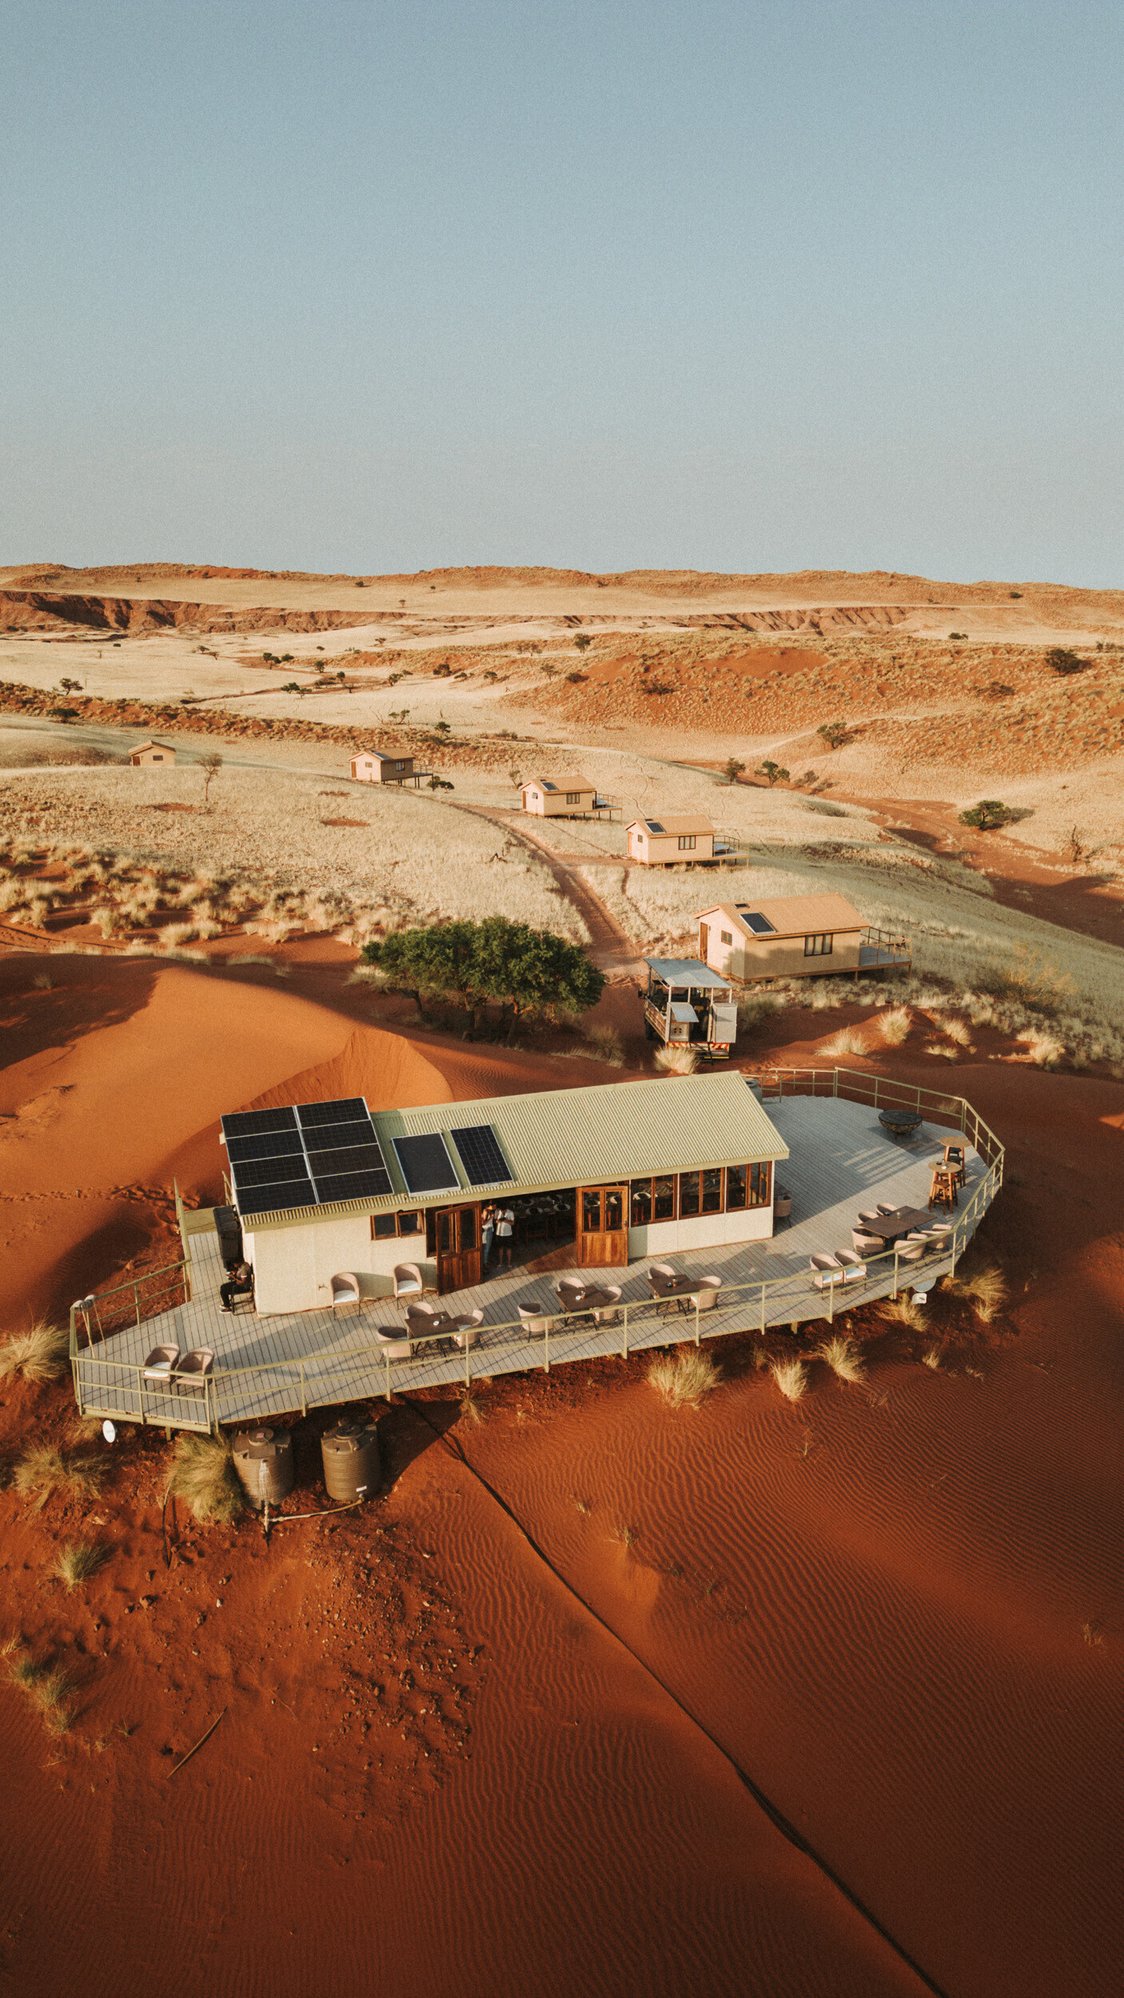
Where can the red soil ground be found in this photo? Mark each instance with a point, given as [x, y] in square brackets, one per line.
[598, 1694]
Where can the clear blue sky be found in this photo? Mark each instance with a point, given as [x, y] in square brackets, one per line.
[736, 284]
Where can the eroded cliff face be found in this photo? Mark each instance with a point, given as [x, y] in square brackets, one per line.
[43, 610]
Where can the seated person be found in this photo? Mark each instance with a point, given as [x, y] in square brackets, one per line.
[239, 1283]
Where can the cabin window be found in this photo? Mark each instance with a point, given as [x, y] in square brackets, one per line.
[690, 1194]
[640, 1203]
[712, 1190]
[686, 842]
[384, 1227]
[573, 797]
[726, 936]
[817, 946]
[652, 1200]
[761, 1183]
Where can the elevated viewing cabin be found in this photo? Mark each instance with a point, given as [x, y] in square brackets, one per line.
[152, 752]
[569, 797]
[375, 766]
[686, 1005]
[317, 1286]
[609, 1173]
[797, 936]
[689, 842]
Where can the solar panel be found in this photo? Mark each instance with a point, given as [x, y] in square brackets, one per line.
[425, 1162]
[347, 1158]
[267, 1145]
[345, 1110]
[247, 1123]
[654, 825]
[480, 1154]
[260, 1172]
[760, 925]
[354, 1185]
[338, 1137]
[278, 1195]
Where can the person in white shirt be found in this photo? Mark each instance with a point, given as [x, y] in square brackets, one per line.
[505, 1229]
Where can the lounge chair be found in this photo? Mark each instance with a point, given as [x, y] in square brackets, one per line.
[912, 1248]
[345, 1289]
[826, 1270]
[192, 1373]
[407, 1280]
[606, 1312]
[706, 1296]
[467, 1329]
[886, 1207]
[161, 1364]
[870, 1214]
[391, 1344]
[854, 1269]
[535, 1321]
[866, 1245]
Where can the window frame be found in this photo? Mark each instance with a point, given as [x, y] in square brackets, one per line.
[821, 944]
[687, 842]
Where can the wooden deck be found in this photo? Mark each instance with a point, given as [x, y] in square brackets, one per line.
[841, 1160]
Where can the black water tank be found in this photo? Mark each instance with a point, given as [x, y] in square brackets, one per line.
[349, 1451]
[228, 1228]
[263, 1459]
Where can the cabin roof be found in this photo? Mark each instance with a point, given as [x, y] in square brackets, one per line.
[137, 747]
[675, 828]
[791, 916]
[568, 782]
[600, 1135]
[382, 755]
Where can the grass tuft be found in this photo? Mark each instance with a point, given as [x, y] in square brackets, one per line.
[843, 1357]
[931, 1358]
[76, 1562]
[683, 1378]
[894, 1025]
[791, 1376]
[902, 1310]
[44, 1470]
[848, 1041]
[49, 1686]
[984, 1290]
[39, 1354]
[203, 1476]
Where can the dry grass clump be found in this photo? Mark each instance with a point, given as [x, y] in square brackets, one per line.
[932, 1358]
[203, 1476]
[49, 1686]
[1044, 1048]
[44, 1471]
[902, 1310]
[984, 1290]
[958, 1031]
[939, 1049]
[683, 1378]
[843, 1357]
[894, 1025]
[848, 1041]
[76, 1562]
[605, 1044]
[39, 1354]
[791, 1376]
[677, 1061]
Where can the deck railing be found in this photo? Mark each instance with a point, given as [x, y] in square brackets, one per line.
[888, 941]
[316, 1378]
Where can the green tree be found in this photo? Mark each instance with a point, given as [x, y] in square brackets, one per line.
[495, 962]
[773, 773]
[1061, 660]
[732, 770]
[988, 815]
[835, 734]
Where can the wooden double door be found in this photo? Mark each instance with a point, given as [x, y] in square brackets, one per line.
[453, 1240]
[602, 1226]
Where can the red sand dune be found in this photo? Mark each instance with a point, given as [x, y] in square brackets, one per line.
[598, 1695]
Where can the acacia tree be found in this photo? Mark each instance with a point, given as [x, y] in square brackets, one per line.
[732, 770]
[210, 765]
[494, 962]
[773, 773]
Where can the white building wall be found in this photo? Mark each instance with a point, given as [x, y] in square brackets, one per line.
[700, 1231]
[294, 1266]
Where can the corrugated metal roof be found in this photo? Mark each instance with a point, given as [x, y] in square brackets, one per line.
[794, 915]
[687, 971]
[595, 1136]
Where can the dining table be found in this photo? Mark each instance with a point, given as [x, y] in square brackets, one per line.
[891, 1226]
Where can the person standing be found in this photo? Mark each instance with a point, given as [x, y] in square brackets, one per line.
[487, 1233]
[505, 1230]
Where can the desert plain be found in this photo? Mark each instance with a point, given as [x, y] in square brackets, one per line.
[814, 1696]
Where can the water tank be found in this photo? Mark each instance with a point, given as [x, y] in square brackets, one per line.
[350, 1454]
[263, 1459]
[228, 1228]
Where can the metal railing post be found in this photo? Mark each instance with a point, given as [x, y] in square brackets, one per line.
[546, 1345]
[624, 1339]
[304, 1398]
[698, 1334]
[763, 1307]
[895, 1289]
[387, 1357]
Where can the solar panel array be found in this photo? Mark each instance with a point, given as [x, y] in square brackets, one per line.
[481, 1156]
[426, 1165]
[753, 920]
[654, 825]
[304, 1157]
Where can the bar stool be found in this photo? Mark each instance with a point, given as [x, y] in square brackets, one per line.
[954, 1158]
[942, 1192]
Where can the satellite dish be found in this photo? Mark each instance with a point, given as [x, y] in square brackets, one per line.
[109, 1430]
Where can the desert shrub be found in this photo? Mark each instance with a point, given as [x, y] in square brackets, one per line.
[894, 1025]
[848, 1041]
[683, 1378]
[843, 1357]
[606, 1045]
[44, 1470]
[1045, 1049]
[988, 815]
[49, 1686]
[677, 1060]
[835, 734]
[932, 1358]
[732, 769]
[902, 1310]
[203, 1476]
[1060, 659]
[791, 1376]
[773, 773]
[76, 1562]
[39, 1354]
[983, 1290]
[958, 1031]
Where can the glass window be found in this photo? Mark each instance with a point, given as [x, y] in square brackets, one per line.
[663, 1202]
[468, 1227]
[409, 1224]
[735, 1187]
[382, 1226]
[686, 842]
[614, 1207]
[727, 936]
[591, 1211]
[712, 1190]
[819, 946]
[689, 1193]
[641, 1202]
[573, 797]
[760, 1184]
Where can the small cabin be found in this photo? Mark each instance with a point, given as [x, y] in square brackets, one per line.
[151, 752]
[375, 766]
[686, 1005]
[670, 842]
[568, 797]
[796, 936]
